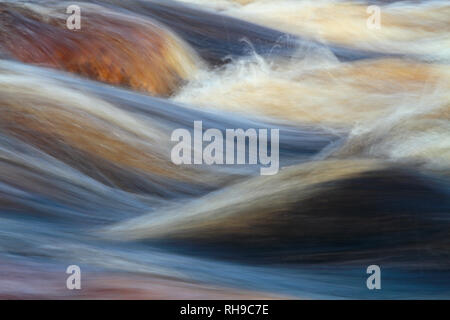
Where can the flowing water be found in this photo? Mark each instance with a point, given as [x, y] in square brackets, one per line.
[86, 176]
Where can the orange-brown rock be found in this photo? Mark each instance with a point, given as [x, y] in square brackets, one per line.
[110, 47]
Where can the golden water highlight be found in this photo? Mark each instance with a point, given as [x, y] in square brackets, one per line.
[421, 28]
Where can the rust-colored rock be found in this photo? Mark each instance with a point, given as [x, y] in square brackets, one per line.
[110, 47]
